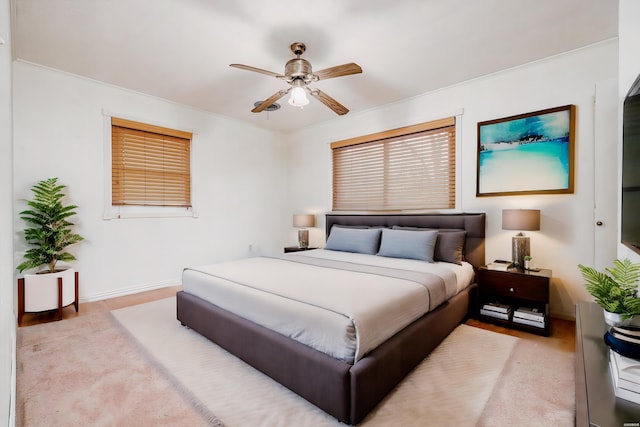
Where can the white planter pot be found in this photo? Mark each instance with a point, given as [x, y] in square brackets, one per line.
[41, 290]
[614, 319]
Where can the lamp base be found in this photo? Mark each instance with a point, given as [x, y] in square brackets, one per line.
[519, 249]
[303, 239]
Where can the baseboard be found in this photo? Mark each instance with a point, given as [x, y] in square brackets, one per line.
[128, 291]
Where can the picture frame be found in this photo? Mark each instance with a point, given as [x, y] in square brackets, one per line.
[530, 153]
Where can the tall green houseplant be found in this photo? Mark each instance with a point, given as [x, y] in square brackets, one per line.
[49, 230]
[617, 291]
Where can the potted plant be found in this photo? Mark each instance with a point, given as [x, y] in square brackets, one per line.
[616, 292]
[49, 232]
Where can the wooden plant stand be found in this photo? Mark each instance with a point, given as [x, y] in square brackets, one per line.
[21, 298]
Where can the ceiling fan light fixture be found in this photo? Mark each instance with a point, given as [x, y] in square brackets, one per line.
[298, 95]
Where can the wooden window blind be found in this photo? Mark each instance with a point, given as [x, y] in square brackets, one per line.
[150, 165]
[411, 168]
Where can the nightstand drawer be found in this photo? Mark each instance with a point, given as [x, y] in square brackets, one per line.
[515, 285]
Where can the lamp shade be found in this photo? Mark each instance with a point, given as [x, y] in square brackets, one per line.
[521, 219]
[298, 97]
[304, 220]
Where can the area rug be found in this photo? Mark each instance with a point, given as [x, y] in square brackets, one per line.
[536, 388]
[451, 387]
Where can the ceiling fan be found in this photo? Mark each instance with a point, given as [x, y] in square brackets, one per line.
[298, 73]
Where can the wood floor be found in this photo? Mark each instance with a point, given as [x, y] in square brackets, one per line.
[562, 331]
[562, 336]
[88, 308]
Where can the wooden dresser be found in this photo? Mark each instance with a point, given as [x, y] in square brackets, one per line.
[596, 403]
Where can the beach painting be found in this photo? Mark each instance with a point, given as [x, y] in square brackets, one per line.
[527, 154]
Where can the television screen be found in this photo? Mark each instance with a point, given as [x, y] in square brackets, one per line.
[631, 169]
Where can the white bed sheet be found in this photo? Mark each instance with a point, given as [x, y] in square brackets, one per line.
[344, 314]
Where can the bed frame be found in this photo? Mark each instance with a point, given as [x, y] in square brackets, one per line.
[347, 392]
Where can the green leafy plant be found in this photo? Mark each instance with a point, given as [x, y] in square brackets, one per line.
[616, 292]
[49, 230]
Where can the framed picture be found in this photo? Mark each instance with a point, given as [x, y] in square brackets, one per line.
[527, 154]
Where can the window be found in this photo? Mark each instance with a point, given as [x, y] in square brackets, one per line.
[150, 165]
[411, 168]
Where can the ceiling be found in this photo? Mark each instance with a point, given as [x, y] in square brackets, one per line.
[181, 50]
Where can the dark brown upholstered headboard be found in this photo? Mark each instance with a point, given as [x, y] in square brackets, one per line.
[473, 223]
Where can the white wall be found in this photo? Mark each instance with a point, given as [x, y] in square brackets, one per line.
[238, 175]
[629, 36]
[567, 233]
[7, 286]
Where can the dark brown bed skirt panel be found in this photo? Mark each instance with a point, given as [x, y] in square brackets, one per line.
[344, 391]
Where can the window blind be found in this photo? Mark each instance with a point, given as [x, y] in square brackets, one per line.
[411, 168]
[150, 165]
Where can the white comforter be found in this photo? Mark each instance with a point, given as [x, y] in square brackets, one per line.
[342, 313]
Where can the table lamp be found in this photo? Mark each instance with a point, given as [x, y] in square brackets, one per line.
[522, 220]
[302, 221]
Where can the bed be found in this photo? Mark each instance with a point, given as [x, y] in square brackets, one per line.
[346, 382]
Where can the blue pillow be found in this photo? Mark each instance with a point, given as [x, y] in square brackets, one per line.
[449, 245]
[418, 245]
[360, 240]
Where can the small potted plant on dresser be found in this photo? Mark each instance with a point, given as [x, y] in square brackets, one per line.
[49, 232]
[616, 291]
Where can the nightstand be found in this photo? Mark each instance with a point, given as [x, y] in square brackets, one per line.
[288, 249]
[515, 288]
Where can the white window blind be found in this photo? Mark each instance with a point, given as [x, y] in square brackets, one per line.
[151, 165]
[411, 168]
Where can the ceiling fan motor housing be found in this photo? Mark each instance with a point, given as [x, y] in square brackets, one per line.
[299, 68]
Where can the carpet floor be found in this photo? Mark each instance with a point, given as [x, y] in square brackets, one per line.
[87, 371]
[146, 369]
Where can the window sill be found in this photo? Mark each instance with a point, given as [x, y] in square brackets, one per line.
[133, 212]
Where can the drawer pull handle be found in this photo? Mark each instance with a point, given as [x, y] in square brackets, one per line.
[510, 289]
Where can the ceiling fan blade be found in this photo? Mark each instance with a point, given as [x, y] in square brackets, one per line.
[257, 70]
[273, 98]
[328, 101]
[338, 71]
